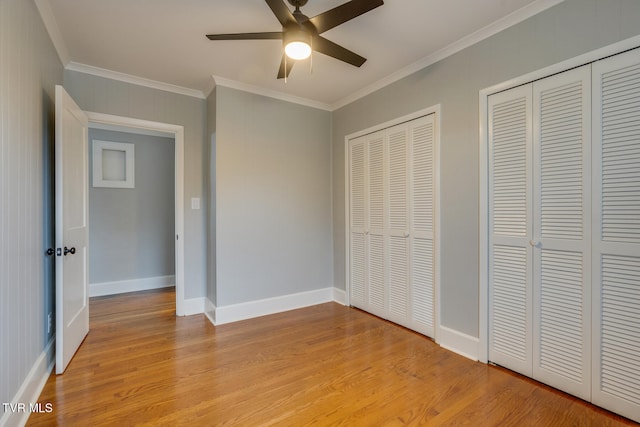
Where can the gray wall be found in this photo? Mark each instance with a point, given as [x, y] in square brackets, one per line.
[29, 69]
[273, 197]
[211, 191]
[562, 32]
[131, 230]
[102, 95]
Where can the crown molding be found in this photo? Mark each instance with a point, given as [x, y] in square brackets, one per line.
[128, 78]
[455, 47]
[50, 23]
[44, 8]
[221, 81]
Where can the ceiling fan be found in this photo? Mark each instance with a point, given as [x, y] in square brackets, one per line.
[301, 34]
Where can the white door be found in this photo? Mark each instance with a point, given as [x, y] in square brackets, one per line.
[421, 229]
[398, 208]
[561, 237]
[510, 228]
[357, 223]
[616, 234]
[72, 301]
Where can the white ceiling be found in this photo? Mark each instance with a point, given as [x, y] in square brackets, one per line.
[164, 41]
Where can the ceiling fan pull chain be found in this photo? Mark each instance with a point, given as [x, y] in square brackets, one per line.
[285, 69]
[311, 58]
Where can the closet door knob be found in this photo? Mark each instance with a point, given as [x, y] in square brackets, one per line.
[535, 243]
[71, 251]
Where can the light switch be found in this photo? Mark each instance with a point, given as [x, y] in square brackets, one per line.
[195, 203]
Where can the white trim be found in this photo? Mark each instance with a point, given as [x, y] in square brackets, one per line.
[483, 285]
[210, 310]
[221, 81]
[194, 306]
[436, 224]
[339, 296]
[393, 122]
[31, 387]
[508, 21]
[514, 18]
[263, 307]
[128, 78]
[128, 164]
[130, 124]
[133, 285]
[462, 344]
[50, 23]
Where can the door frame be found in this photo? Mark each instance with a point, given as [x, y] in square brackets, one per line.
[483, 182]
[128, 124]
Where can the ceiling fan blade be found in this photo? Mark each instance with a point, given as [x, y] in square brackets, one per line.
[282, 12]
[329, 48]
[246, 36]
[289, 65]
[343, 13]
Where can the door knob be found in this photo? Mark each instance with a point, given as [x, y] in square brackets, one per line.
[535, 243]
[69, 251]
[50, 252]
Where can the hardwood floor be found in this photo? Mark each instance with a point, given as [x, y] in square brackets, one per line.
[322, 365]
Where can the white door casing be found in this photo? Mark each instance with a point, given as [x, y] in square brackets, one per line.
[72, 300]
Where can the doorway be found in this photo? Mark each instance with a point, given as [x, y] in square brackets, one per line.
[128, 125]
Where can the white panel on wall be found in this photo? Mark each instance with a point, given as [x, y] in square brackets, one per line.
[29, 69]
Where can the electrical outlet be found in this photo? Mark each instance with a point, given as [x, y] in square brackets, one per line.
[49, 323]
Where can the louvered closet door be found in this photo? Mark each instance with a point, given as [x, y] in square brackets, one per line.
[421, 237]
[561, 231]
[375, 231]
[358, 268]
[510, 229]
[398, 279]
[616, 234]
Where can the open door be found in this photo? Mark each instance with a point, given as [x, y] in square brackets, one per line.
[72, 300]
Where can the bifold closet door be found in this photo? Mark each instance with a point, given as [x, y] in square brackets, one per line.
[539, 254]
[421, 223]
[376, 231]
[391, 220]
[398, 184]
[561, 240]
[358, 266]
[510, 229]
[616, 234]
[367, 223]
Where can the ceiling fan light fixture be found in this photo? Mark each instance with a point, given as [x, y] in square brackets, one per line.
[297, 44]
[298, 50]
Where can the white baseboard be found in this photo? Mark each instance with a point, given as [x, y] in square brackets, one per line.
[339, 296]
[31, 388]
[263, 307]
[462, 344]
[194, 306]
[134, 285]
[210, 310]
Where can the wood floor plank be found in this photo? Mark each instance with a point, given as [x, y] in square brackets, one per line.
[321, 365]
